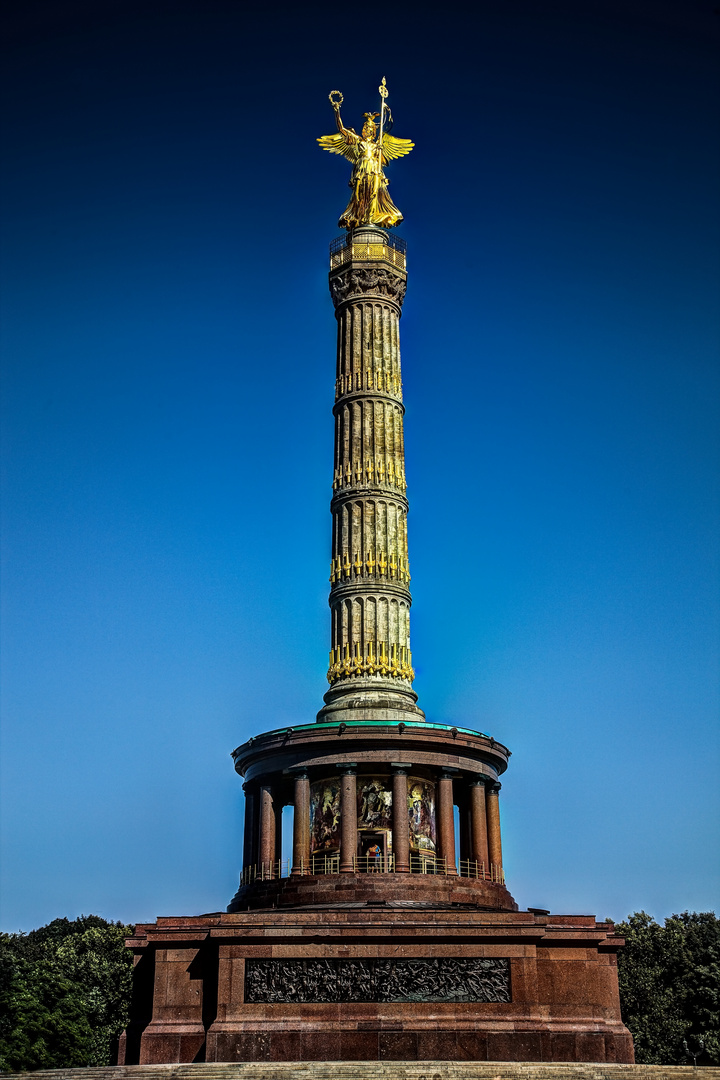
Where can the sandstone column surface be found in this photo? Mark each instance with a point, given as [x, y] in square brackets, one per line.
[370, 667]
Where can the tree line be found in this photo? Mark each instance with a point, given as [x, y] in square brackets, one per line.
[65, 991]
[64, 994]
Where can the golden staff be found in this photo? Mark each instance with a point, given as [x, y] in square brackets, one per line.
[383, 94]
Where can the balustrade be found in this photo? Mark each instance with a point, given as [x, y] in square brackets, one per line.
[419, 862]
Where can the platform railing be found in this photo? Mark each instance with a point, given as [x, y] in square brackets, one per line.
[267, 871]
[386, 247]
[420, 863]
[322, 864]
[373, 864]
[427, 862]
[481, 871]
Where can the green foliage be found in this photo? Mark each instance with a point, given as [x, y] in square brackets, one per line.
[670, 986]
[64, 994]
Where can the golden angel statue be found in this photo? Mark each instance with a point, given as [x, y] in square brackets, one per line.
[370, 203]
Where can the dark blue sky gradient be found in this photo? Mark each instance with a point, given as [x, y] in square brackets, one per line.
[169, 349]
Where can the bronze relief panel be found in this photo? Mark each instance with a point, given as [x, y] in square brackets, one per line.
[436, 979]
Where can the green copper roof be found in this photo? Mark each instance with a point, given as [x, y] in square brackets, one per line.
[371, 723]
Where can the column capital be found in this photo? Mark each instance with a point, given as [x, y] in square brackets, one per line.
[347, 768]
[482, 779]
[298, 772]
[447, 772]
[494, 787]
[400, 766]
[356, 282]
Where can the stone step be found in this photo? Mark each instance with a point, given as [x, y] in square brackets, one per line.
[379, 1070]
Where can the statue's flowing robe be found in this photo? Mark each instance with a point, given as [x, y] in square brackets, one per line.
[370, 202]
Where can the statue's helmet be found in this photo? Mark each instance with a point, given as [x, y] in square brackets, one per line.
[369, 127]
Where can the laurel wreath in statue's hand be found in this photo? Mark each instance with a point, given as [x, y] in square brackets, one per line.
[336, 102]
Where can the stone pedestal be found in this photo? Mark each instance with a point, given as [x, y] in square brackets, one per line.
[382, 980]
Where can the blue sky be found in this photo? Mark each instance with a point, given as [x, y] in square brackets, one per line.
[168, 350]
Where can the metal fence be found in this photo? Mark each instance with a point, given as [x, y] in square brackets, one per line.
[389, 248]
[420, 863]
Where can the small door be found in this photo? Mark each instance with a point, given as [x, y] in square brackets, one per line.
[372, 852]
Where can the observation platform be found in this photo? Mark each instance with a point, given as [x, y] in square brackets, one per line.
[369, 244]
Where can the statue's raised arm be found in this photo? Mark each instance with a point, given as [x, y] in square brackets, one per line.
[370, 203]
[346, 140]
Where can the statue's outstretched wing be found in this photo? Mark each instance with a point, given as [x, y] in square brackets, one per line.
[344, 142]
[394, 148]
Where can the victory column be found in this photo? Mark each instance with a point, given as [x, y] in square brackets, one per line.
[370, 939]
[370, 659]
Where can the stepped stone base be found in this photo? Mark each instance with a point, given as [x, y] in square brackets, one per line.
[375, 981]
[333, 890]
[397, 1070]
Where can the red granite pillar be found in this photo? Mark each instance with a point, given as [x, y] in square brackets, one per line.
[478, 824]
[278, 803]
[267, 832]
[250, 830]
[301, 825]
[446, 821]
[348, 819]
[493, 826]
[400, 820]
[465, 832]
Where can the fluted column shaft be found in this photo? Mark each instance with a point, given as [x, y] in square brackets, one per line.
[493, 824]
[301, 825]
[369, 573]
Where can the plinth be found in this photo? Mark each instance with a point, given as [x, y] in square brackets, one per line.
[377, 979]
